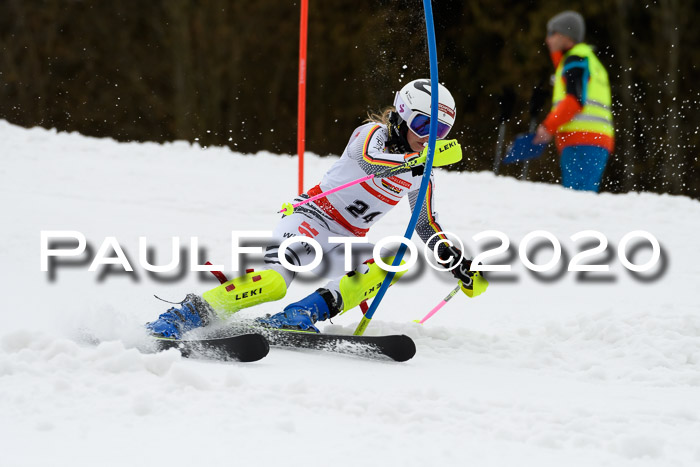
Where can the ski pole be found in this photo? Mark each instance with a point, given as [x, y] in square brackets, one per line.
[441, 304]
[506, 104]
[536, 104]
[445, 156]
[288, 208]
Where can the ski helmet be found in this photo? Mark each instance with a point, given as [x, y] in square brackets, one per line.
[412, 103]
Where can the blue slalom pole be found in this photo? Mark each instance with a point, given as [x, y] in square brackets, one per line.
[432, 54]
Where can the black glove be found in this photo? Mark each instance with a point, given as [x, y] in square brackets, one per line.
[397, 143]
[416, 170]
[453, 256]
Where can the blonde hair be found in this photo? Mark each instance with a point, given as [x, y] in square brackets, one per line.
[380, 117]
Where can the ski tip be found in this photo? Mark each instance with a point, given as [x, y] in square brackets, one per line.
[254, 347]
[404, 350]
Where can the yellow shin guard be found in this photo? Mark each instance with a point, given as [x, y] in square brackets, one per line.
[356, 286]
[246, 291]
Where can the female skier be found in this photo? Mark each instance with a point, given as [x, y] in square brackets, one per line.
[397, 136]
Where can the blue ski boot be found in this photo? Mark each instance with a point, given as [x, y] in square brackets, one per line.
[303, 314]
[193, 313]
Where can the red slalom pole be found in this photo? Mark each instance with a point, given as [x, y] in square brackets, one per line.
[301, 105]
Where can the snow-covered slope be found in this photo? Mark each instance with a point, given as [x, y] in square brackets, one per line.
[557, 372]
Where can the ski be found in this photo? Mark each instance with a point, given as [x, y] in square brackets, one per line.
[243, 347]
[397, 347]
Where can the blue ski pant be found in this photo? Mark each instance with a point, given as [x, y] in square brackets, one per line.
[582, 167]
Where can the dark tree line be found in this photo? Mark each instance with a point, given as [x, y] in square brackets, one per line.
[224, 72]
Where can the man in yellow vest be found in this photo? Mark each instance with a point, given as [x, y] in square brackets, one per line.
[581, 115]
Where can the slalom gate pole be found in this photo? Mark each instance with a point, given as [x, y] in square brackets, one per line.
[454, 292]
[301, 104]
[434, 101]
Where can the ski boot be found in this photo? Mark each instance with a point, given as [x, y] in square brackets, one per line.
[304, 314]
[193, 313]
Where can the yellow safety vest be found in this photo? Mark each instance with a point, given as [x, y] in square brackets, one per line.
[596, 115]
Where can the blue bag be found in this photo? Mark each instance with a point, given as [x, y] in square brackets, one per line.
[522, 149]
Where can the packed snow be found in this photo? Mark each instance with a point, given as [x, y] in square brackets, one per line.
[548, 369]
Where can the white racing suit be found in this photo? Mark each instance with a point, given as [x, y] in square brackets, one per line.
[349, 212]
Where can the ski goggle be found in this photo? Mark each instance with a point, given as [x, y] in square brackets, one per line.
[420, 125]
